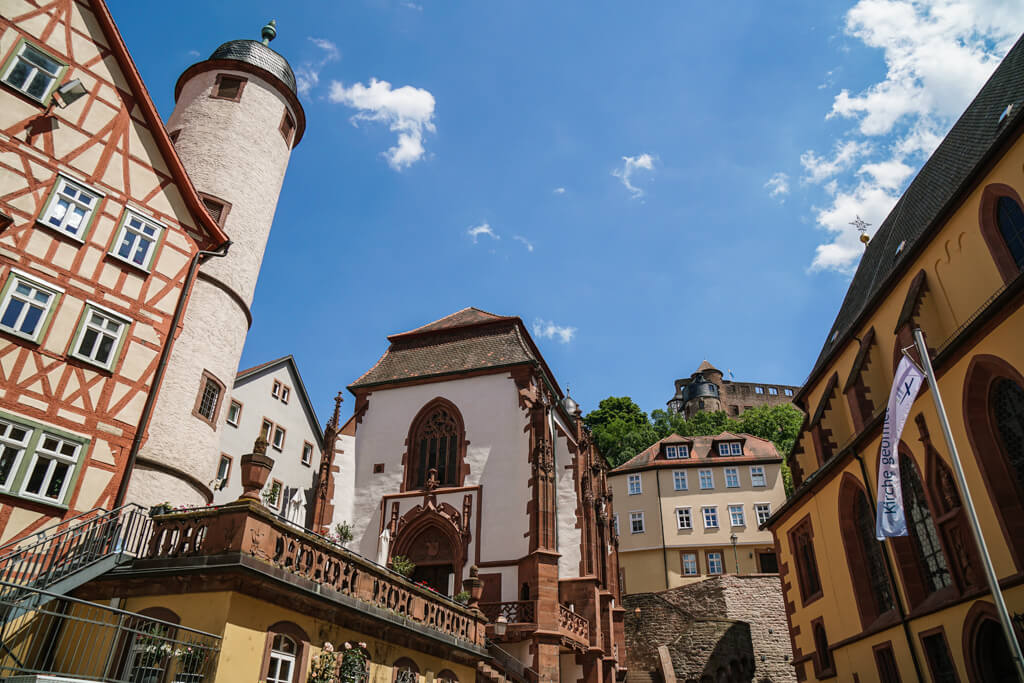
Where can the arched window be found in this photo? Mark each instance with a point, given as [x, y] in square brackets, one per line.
[1010, 219]
[150, 644]
[1001, 221]
[436, 447]
[405, 671]
[824, 665]
[447, 676]
[285, 655]
[1007, 399]
[923, 535]
[872, 588]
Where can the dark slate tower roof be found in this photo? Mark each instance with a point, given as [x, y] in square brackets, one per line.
[259, 55]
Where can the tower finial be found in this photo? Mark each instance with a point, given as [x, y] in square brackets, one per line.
[269, 32]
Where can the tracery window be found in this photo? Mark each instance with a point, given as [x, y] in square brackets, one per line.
[1010, 219]
[435, 445]
[924, 536]
[801, 541]
[878, 577]
[1007, 401]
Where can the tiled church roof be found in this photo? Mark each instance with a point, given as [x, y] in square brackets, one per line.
[465, 341]
[942, 182]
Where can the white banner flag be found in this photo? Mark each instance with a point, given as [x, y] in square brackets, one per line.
[891, 520]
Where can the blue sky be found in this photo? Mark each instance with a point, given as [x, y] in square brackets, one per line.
[646, 184]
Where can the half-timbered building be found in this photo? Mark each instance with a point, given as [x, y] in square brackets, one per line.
[101, 228]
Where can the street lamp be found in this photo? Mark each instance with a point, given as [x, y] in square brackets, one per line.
[735, 556]
[500, 624]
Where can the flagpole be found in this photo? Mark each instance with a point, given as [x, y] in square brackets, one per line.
[972, 515]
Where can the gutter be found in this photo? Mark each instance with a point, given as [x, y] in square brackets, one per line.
[158, 375]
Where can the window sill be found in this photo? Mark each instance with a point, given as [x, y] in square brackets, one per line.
[20, 335]
[91, 363]
[47, 503]
[61, 233]
[233, 424]
[43, 103]
[129, 263]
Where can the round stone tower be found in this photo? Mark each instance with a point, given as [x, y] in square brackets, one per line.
[235, 122]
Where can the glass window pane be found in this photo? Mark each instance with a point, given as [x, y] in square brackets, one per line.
[32, 317]
[10, 316]
[106, 347]
[19, 74]
[60, 472]
[35, 480]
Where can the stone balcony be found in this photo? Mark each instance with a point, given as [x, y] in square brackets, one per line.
[245, 534]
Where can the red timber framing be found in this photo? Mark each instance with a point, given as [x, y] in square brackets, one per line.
[112, 144]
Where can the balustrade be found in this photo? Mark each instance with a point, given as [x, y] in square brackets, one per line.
[573, 625]
[244, 528]
[515, 612]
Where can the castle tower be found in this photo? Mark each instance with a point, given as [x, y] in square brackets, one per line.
[235, 122]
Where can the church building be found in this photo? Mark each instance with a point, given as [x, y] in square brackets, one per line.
[468, 459]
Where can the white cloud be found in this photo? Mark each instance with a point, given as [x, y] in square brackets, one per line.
[937, 53]
[526, 242]
[547, 329]
[307, 75]
[413, 5]
[193, 53]
[630, 165]
[408, 111]
[559, 190]
[482, 229]
[820, 169]
[778, 186]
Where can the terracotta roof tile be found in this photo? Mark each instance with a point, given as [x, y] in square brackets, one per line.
[465, 317]
[701, 452]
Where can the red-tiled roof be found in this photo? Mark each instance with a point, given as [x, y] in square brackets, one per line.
[464, 341]
[702, 452]
[464, 318]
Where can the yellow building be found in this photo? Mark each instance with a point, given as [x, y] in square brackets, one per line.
[690, 507]
[948, 260]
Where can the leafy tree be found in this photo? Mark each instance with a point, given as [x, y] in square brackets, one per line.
[620, 429]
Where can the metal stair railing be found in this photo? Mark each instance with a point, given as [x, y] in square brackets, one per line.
[43, 563]
[5, 548]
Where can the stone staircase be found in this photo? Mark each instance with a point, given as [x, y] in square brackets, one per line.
[643, 676]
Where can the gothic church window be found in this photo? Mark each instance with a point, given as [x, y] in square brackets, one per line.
[1010, 219]
[436, 446]
[1008, 409]
[801, 542]
[923, 534]
[33, 72]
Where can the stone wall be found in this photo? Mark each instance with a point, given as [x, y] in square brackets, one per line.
[722, 625]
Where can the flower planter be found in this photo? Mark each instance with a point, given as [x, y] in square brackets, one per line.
[256, 468]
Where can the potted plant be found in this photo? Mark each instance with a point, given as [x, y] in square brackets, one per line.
[256, 468]
[403, 565]
[151, 652]
[191, 662]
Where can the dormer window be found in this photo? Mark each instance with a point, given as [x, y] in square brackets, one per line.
[730, 448]
[677, 452]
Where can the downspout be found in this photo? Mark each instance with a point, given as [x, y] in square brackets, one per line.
[892, 574]
[158, 376]
[661, 519]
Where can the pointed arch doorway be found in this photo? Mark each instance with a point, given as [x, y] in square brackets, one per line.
[436, 554]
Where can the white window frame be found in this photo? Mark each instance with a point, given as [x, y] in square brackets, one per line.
[14, 278]
[711, 510]
[632, 479]
[125, 227]
[278, 429]
[684, 518]
[307, 453]
[758, 390]
[715, 557]
[736, 448]
[279, 657]
[670, 452]
[53, 457]
[763, 511]
[680, 476]
[634, 517]
[710, 477]
[723, 449]
[736, 512]
[615, 523]
[773, 391]
[757, 471]
[285, 393]
[275, 503]
[223, 477]
[788, 392]
[86, 324]
[238, 414]
[89, 209]
[35, 69]
[732, 474]
[21, 446]
[683, 451]
[689, 564]
[275, 390]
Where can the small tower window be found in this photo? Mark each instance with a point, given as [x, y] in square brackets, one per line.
[228, 87]
[211, 390]
[287, 127]
[218, 208]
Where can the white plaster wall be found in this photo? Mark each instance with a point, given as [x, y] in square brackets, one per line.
[569, 670]
[497, 455]
[569, 536]
[211, 338]
[254, 392]
[234, 151]
[344, 479]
